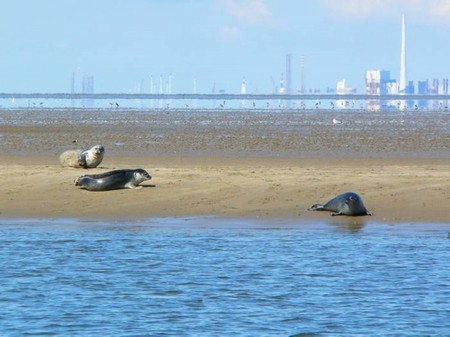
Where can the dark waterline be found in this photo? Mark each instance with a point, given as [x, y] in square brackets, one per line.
[216, 277]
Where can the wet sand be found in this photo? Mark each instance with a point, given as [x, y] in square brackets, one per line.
[257, 165]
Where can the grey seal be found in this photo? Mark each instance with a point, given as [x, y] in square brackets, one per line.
[113, 180]
[83, 158]
[348, 203]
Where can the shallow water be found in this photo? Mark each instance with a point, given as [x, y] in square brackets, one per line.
[273, 133]
[212, 277]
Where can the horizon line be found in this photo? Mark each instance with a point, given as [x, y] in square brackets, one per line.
[299, 96]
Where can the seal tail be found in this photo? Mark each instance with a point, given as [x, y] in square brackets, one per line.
[316, 207]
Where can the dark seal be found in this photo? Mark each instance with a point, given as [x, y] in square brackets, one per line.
[348, 203]
[113, 180]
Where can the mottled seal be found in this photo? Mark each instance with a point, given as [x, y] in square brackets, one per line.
[78, 158]
[113, 180]
[348, 203]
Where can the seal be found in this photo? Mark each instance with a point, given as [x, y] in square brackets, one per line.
[113, 180]
[348, 203]
[78, 158]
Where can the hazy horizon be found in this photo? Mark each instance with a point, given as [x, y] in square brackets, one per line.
[124, 43]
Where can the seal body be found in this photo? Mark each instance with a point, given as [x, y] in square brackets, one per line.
[71, 158]
[78, 158]
[348, 203]
[113, 180]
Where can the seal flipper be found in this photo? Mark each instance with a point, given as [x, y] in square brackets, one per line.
[82, 160]
[336, 214]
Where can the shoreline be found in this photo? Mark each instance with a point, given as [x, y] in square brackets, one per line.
[405, 190]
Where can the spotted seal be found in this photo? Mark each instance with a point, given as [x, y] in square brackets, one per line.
[78, 158]
[113, 180]
[348, 203]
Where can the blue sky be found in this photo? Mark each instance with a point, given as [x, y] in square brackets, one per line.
[122, 43]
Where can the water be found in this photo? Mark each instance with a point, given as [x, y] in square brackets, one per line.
[260, 133]
[212, 277]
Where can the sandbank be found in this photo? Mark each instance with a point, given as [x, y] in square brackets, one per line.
[237, 163]
[406, 190]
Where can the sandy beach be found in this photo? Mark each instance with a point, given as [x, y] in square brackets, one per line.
[194, 176]
[394, 190]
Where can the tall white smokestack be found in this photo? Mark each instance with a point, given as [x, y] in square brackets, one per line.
[402, 81]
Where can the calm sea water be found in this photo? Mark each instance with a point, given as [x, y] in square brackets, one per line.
[212, 277]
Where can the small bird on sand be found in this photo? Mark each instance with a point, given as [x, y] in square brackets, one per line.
[336, 121]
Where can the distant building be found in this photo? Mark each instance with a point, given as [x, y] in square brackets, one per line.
[431, 88]
[435, 88]
[87, 87]
[87, 84]
[302, 88]
[445, 86]
[342, 89]
[410, 87]
[243, 87]
[422, 87]
[288, 74]
[403, 84]
[378, 82]
[243, 92]
[281, 89]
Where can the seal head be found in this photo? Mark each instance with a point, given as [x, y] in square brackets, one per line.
[93, 157]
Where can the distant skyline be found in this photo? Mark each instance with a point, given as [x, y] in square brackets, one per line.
[122, 43]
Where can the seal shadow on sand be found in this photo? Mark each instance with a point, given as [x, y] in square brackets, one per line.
[141, 187]
[148, 186]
